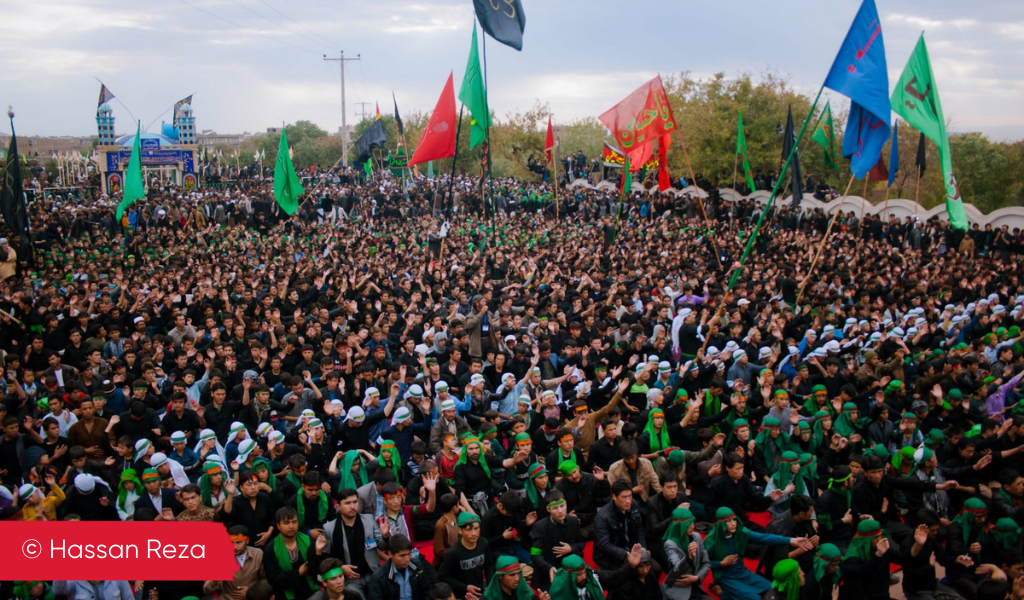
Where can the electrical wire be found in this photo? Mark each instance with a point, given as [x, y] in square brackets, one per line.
[232, 23]
[276, 23]
[327, 41]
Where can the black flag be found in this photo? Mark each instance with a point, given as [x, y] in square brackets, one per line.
[373, 137]
[178, 105]
[12, 197]
[398, 117]
[921, 152]
[105, 95]
[503, 20]
[788, 141]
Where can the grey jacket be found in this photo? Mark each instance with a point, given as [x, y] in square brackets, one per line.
[369, 527]
[681, 563]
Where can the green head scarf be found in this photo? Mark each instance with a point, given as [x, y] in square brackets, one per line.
[122, 493]
[860, 545]
[564, 587]
[464, 455]
[808, 470]
[845, 425]
[827, 556]
[717, 542]
[348, 481]
[1006, 533]
[972, 507]
[682, 518]
[504, 566]
[764, 439]
[659, 440]
[820, 435]
[262, 464]
[210, 469]
[784, 474]
[396, 458]
[786, 578]
[536, 470]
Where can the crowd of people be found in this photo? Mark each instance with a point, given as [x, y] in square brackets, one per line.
[451, 391]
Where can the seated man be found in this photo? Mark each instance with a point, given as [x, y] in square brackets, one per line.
[402, 576]
[617, 528]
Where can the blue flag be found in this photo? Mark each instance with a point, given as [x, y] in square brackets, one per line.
[859, 72]
[894, 154]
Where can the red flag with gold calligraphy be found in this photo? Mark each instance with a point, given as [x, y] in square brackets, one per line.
[640, 119]
[664, 179]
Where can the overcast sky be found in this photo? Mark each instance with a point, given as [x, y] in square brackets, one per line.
[255, 63]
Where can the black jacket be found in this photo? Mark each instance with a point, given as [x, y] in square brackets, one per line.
[546, 535]
[615, 533]
[383, 585]
[170, 501]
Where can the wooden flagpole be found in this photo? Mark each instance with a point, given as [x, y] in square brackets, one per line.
[821, 246]
[700, 202]
[917, 190]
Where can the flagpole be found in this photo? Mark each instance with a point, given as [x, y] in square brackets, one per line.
[864, 198]
[450, 201]
[554, 178]
[735, 171]
[700, 202]
[821, 246]
[917, 190]
[760, 220]
[490, 180]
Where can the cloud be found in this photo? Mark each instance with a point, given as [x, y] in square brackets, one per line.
[253, 63]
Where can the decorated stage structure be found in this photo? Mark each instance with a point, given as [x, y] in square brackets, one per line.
[171, 156]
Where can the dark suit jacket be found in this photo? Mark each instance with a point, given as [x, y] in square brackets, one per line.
[169, 501]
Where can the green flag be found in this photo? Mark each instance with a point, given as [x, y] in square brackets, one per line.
[824, 136]
[473, 95]
[916, 99]
[133, 185]
[368, 167]
[741, 149]
[627, 179]
[287, 187]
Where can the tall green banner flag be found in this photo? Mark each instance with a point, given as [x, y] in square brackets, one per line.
[741, 149]
[916, 99]
[473, 95]
[287, 187]
[133, 185]
[825, 138]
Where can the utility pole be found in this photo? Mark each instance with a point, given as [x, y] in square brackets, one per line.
[344, 122]
[362, 109]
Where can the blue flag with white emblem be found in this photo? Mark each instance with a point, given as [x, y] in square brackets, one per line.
[859, 73]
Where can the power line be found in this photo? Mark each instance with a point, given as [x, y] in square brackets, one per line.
[232, 23]
[327, 41]
[276, 23]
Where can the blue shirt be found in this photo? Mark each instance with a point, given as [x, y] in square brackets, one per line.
[404, 588]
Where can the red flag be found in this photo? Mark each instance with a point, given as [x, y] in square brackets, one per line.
[549, 141]
[879, 172]
[438, 139]
[378, 112]
[643, 117]
[664, 179]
